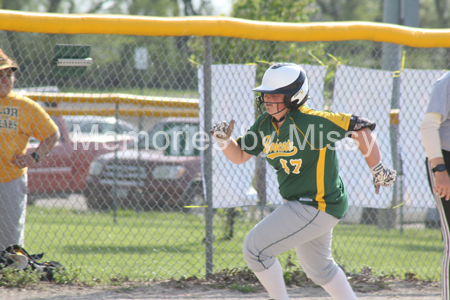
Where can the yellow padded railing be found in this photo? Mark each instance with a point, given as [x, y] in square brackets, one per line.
[222, 26]
[149, 106]
[129, 112]
[123, 99]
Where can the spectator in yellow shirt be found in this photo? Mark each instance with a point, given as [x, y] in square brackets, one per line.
[20, 119]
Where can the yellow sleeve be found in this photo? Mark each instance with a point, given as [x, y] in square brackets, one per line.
[36, 123]
[339, 119]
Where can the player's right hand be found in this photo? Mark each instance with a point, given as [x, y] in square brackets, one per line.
[221, 132]
[382, 176]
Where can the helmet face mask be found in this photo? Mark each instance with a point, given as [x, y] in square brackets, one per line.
[260, 101]
[287, 79]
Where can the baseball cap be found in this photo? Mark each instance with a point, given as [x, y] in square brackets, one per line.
[6, 62]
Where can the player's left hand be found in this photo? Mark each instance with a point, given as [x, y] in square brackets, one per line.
[382, 176]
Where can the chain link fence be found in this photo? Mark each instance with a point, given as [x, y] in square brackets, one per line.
[135, 188]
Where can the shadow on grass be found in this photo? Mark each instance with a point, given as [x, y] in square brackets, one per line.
[77, 249]
[426, 248]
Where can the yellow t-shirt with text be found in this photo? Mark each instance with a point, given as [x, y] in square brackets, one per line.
[20, 119]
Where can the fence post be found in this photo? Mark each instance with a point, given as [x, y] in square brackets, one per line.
[391, 61]
[207, 176]
[138, 207]
[116, 162]
[261, 186]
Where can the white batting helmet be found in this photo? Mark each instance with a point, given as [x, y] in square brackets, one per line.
[287, 79]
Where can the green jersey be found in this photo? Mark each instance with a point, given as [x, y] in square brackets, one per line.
[303, 153]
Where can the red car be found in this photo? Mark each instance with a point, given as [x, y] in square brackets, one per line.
[162, 171]
[65, 169]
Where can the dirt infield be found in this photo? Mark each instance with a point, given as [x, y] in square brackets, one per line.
[390, 289]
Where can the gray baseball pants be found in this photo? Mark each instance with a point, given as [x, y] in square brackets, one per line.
[13, 201]
[299, 226]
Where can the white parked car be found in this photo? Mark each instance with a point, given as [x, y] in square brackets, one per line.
[104, 128]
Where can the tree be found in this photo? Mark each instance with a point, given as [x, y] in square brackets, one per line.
[441, 9]
[53, 6]
[249, 51]
[153, 8]
[13, 4]
[34, 5]
[434, 13]
[162, 8]
[349, 10]
[273, 10]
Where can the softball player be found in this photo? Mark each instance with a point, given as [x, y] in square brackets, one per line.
[436, 141]
[299, 143]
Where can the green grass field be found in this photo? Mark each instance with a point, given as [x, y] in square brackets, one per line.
[389, 252]
[161, 245]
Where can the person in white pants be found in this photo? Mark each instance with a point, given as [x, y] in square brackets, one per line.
[299, 143]
[435, 131]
